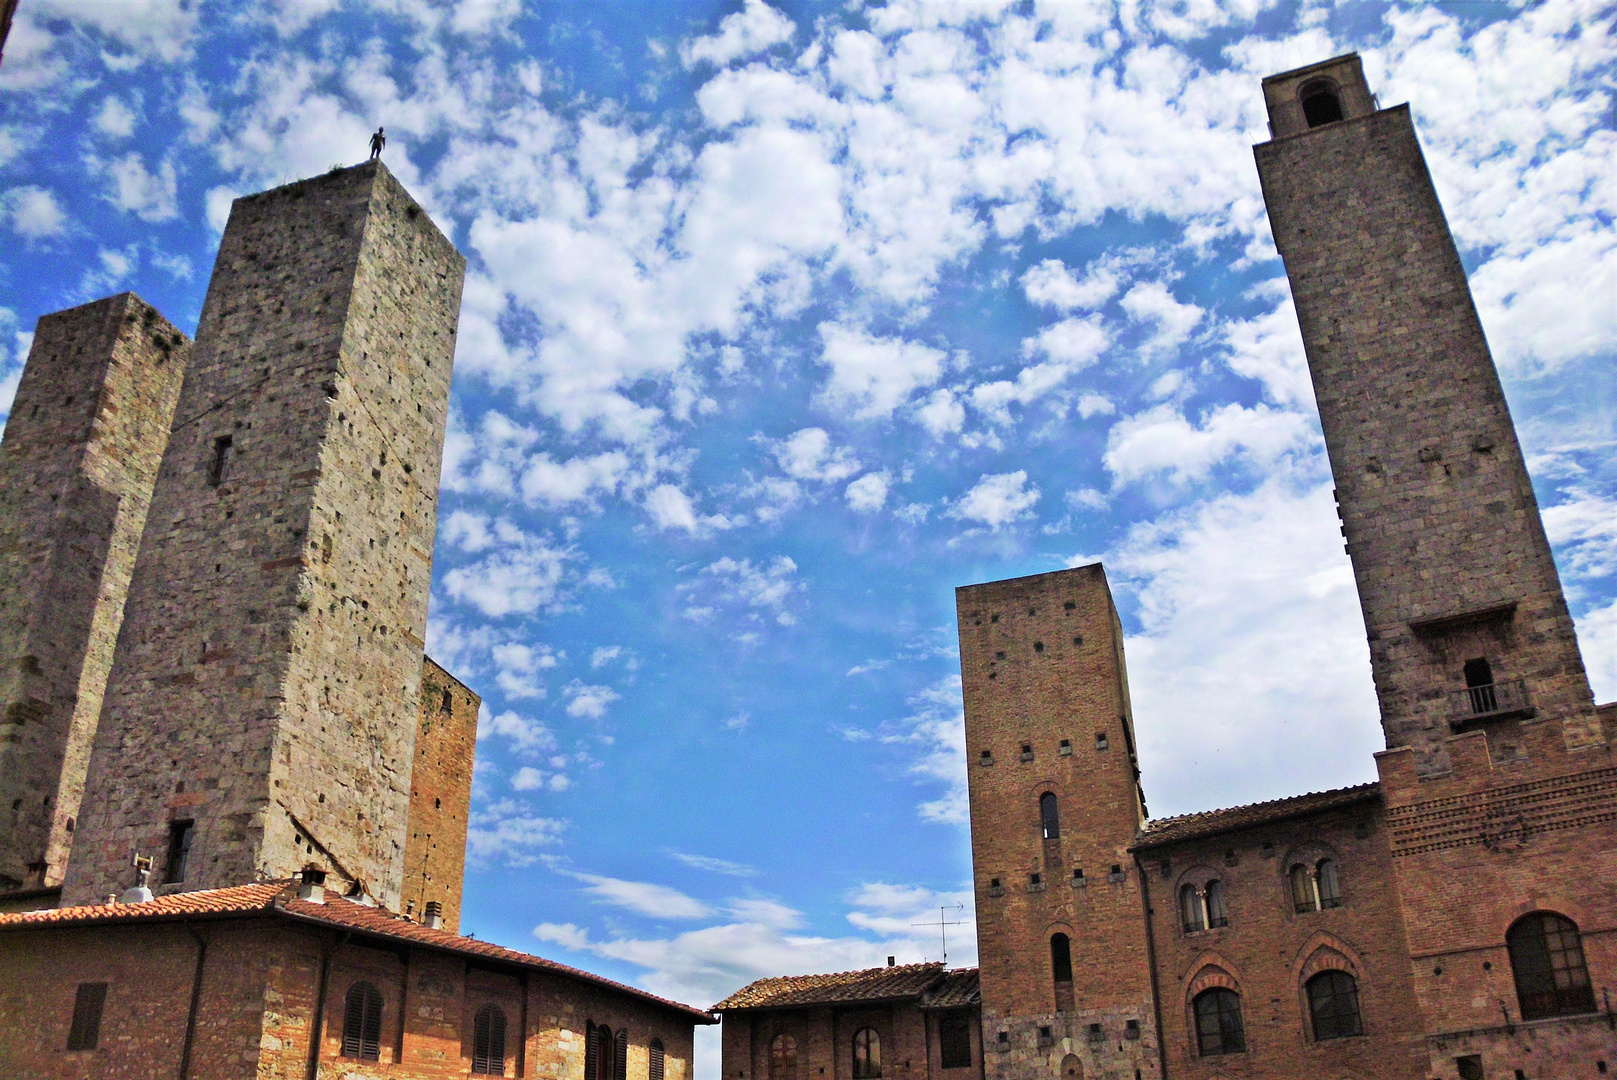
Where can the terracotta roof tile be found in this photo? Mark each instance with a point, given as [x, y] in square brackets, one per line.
[1171, 830]
[277, 899]
[870, 984]
[958, 988]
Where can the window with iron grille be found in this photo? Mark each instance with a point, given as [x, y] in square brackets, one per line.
[1333, 1005]
[362, 1023]
[954, 1040]
[1546, 957]
[85, 1034]
[488, 1041]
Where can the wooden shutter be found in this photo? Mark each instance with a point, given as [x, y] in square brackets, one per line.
[592, 1061]
[620, 1056]
[362, 1023]
[656, 1071]
[488, 1041]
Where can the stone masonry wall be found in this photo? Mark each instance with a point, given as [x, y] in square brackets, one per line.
[82, 445]
[1041, 660]
[1440, 517]
[440, 794]
[266, 681]
[1269, 949]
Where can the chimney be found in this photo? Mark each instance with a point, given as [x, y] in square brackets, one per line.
[312, 885]
[434, 915]
[891, 960]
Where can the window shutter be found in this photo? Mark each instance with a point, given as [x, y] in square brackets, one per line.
[85, 1033]
[372, 1049]
[488, 1041]
[591, 1058]
[362, 1023]
[620, 1060]
[656, 1071]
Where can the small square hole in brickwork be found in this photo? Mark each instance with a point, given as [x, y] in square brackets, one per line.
[1066, 747]
[999, 655]
[1038, 646]
[1044, 1034]
[1032, 611]
[1035, 879]
[1027, 751]
[1078, 639]
[993, 618]
[1469, 1067]
[1131, 1029]
[1070, 605]
[1004, 1038]
[1101, 742]
[1095, 1033]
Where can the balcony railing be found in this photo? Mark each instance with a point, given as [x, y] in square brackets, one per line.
[1491, 701]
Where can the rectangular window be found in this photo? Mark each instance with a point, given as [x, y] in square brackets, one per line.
[85, 1033]
[954, 1040]
[180, 834]
[219, 471]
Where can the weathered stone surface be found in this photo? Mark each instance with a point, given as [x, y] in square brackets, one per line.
[265, 685]
[81, 450]
[440, 794]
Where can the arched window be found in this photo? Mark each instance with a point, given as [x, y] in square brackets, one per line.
[1333, 1005]
[1050, 815]
[866, 1054]
[1190, 910]
[954, 1040]
[1302, 888]
[783, 1058]
[592, 1052]
[1320, 104]
[1479, 685]
[1325, 883]
[602, 1048]
[655, 1070]
[1060, 958]
[362, 1023]
[620, 1056]
[1218, 1022]
[488, 1041]
[1215, 905]
[1546, 956]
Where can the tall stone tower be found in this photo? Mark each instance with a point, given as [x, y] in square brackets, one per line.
[261, 712]
[1499, 782]
[1055, 804]
[81, 449]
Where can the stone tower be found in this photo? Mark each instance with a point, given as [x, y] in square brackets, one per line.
[81, 449]
[260, 714]
[1055, 804]
[440, 795]
[1498, 779]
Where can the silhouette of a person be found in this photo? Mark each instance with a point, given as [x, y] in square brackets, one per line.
[378, 141]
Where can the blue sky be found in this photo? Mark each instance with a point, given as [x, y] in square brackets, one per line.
[780, 323]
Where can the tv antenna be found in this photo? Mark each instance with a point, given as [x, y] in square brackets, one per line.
[943, 925]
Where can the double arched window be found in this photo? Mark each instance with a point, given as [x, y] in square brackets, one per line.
[1050, 816]
[1333, 1005]
[1218, 1022]
[1315, 887]
[783, 1058]
[488, 1041]
[1202, 908]
[1546, 958]
[362, 1023]
[866, 1054]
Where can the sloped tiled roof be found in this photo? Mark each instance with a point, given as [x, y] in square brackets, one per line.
[956, 989]
[1211, 822]
[277, 899]
[870, 984]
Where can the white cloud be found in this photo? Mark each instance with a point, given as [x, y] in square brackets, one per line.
[1597, 638]
[712, 865]
[647, 898]
[149, 196]
[149, 29]
[1150, 303]
[1269, 348]
[587, 701]
[872, 376]
[1068, 346]
[808, 455]
[506, 832]
[526, 736]
[1052, 284]
[770, 913]
[766, 587]
[33, 212]
[519, 667]
[670, 508]
[1093, 404]
[868, 493]
[1160, 440]
[520, 574]
[115, 119]
[1583, 529]
[997, 499]
[937, 727]
[942, 413]
[754, 28]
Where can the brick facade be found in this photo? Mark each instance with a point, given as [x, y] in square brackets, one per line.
[275, 617]
[259, 975]
[82, 445]
[440, 794]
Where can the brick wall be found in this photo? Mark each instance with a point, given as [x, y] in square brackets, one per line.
[82, 445]
[824, 1036]
[272, 635]
[1041, 660]
[440, 794]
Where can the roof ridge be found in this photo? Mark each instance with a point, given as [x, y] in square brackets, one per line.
[1150, 822]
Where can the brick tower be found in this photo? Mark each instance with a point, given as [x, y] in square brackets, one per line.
[82, 445]
[1498, 779]
[440, 795]
[1055, 803]
[260, 714]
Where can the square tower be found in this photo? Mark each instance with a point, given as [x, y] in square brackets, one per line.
[1055, 803]
[1468, 627]
[81, 450]
[262, 709]
[440, 795]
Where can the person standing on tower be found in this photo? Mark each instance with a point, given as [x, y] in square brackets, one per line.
[378, 141]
